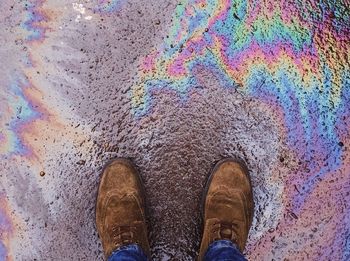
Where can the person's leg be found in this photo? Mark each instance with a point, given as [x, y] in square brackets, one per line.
[227, 212]
[131, 252]
[120, 214]
[223, 250]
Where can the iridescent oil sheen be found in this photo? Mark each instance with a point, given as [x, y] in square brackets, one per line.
[267, 52]
[290, 55]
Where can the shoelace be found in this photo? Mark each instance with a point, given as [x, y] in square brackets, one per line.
[224, 230]
[123, 235]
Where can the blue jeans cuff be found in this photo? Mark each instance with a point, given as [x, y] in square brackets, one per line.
[223, 250]
[132, 252]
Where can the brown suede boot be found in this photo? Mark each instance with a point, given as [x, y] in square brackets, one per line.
[227, 205]
[120, 215]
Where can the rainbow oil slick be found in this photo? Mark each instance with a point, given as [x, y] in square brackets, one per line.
[109, 6]
[22, 112]
[34, 18]
[175, 86]
[268, 54]
[282, 54]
